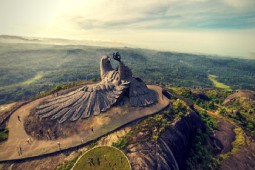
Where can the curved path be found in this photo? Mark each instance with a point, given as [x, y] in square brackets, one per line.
[17, 140]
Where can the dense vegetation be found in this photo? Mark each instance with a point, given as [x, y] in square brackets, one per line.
[238, 110]
[208, 99]
[201, 154]
[242, 111]
[27, 69]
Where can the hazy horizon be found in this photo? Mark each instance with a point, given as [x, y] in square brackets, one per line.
[220, 27]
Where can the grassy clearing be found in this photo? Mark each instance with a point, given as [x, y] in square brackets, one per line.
[217, 84]
[34, 79]
[238, 143]
[103, 158]
[24, 83]
[240, 139]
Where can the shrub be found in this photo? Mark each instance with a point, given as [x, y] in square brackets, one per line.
[4, 134]
[121, 144]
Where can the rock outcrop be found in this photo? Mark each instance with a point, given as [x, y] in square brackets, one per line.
[169, 152]
[246, 94]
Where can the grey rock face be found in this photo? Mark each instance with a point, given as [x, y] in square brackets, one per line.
[96, 98]
[169, 152]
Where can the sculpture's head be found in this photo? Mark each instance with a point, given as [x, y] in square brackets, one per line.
[105, 60]
[105, 65]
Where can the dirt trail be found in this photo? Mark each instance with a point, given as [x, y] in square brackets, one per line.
[18, 137]
[225, 134]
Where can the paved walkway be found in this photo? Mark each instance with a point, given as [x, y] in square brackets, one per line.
[17, 140]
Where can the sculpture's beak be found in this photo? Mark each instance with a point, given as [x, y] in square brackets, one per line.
[109, 58]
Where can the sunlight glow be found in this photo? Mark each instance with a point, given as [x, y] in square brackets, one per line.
[221, 27]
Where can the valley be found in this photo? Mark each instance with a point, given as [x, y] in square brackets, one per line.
[209, 124]
[28, 69]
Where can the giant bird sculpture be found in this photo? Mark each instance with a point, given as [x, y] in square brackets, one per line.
[97, 98]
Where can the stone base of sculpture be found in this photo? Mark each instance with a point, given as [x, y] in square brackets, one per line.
[49, 136]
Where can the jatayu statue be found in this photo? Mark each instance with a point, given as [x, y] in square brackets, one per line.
[94, 99]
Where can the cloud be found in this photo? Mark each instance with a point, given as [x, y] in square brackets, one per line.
[121, 14]
[208, 26]
[163, 14]
[240, 3]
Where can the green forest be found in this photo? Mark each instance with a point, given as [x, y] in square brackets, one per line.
[28, 69]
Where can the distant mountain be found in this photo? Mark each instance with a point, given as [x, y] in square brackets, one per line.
[57, 41]
[12, 38]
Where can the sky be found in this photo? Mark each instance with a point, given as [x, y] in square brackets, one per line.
[221, 27]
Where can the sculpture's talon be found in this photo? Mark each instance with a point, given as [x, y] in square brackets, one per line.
[116, 56]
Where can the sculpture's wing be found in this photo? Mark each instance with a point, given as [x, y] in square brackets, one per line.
[140, 94]
[88, 100]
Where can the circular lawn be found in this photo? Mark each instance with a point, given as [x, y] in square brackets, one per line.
[103, 158]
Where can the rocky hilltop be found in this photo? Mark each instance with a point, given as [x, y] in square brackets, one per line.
[193, 132]
[158, 142]
[170, 150]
